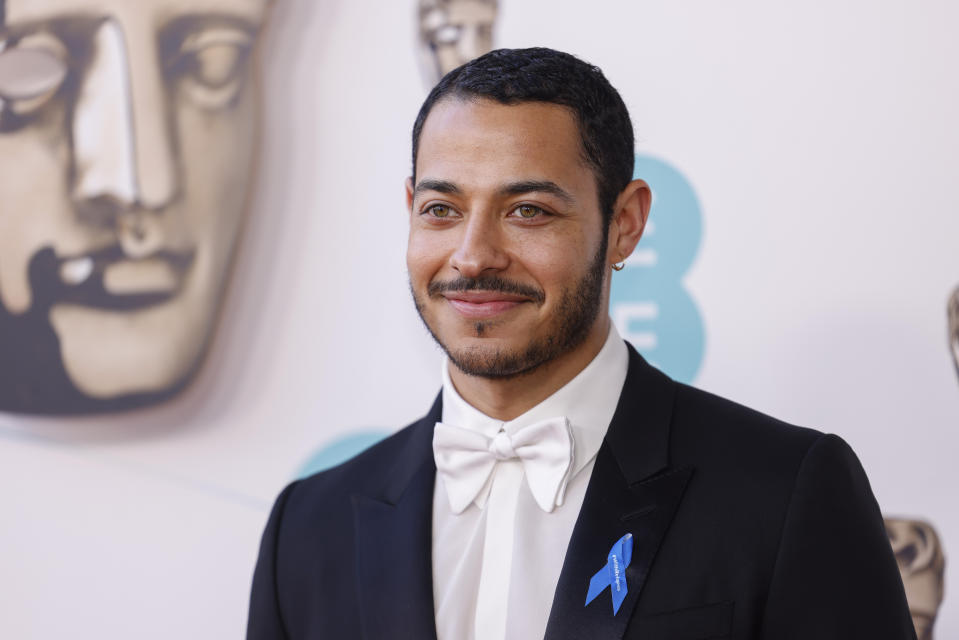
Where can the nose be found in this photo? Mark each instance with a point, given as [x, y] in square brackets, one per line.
[480, 249]
[123, 153]
[469, 45]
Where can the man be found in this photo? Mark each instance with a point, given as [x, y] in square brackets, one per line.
[127, 141]
[560, 485]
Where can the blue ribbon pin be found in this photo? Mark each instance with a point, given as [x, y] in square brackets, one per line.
[613, 575]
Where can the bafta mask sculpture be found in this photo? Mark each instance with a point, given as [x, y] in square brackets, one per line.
[127, 141]
[922, 565]
[453, 32]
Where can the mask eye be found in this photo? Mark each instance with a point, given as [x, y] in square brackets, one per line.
[210, 65]
[447, 34]
[32, 70]
[217, 64]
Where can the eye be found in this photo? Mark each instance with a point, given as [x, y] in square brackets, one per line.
[447, 34]
[217, 64]
[211, 65]
[435, 23]
[32, 70]
[439, 211]
[528, 211]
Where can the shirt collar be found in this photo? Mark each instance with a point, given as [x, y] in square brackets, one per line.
[588, 401]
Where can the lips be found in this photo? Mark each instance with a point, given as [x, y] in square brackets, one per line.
[107, 278]
[483, 304]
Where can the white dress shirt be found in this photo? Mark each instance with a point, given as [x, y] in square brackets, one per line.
[539, 538]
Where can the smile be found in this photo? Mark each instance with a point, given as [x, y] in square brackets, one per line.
[475, 305]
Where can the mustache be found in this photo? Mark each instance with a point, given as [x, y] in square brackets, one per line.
[486, 283]
[49, 288]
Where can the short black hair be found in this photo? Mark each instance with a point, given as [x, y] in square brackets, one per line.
[512, 76]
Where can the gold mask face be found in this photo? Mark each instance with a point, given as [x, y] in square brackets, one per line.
[127, 142]
[922, 566]
[453, 32]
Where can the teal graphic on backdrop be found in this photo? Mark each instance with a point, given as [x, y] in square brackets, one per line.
[648, 302]
[340, 450]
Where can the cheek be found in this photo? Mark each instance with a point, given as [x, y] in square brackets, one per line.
[35, 209]
[450, 57]
[218, 147]
[554, 258]
[426, 255]
[32, 178]
[217, 155]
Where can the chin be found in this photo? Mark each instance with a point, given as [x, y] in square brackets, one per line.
[110, 355]
[498, 358]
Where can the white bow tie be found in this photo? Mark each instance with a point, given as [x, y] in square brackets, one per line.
[465, 460]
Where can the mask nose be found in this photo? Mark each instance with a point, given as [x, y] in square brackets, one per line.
[470, 44]
[123, 155]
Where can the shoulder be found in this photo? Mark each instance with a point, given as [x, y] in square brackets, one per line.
[735, 445]
[370, 472]
[704, 418]
[753, 474]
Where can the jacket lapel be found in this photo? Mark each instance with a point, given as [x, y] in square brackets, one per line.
[393, 543]
[631, 490]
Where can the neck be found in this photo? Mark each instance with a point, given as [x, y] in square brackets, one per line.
[507, 398]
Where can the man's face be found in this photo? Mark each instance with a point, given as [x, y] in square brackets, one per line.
[127, 139]
[507, 254]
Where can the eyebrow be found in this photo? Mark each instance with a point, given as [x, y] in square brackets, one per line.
[181, 25]
[537, 186]
[511, 189]
[188, 24]
[440, 186]
[55, 25]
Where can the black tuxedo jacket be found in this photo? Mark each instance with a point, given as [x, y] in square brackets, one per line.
[743, 527]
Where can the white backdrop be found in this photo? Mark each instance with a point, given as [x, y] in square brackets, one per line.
[822, 143]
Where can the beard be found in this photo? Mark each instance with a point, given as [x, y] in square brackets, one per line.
[576, 312]
[33, 376]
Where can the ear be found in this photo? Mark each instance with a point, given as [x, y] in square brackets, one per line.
[629, 220]
[409, 194]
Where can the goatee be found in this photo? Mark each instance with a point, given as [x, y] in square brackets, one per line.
[576, 312]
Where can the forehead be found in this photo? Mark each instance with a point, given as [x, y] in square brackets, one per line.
[29, 11]
[460, 10]
[477, 141]
[470, 11]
